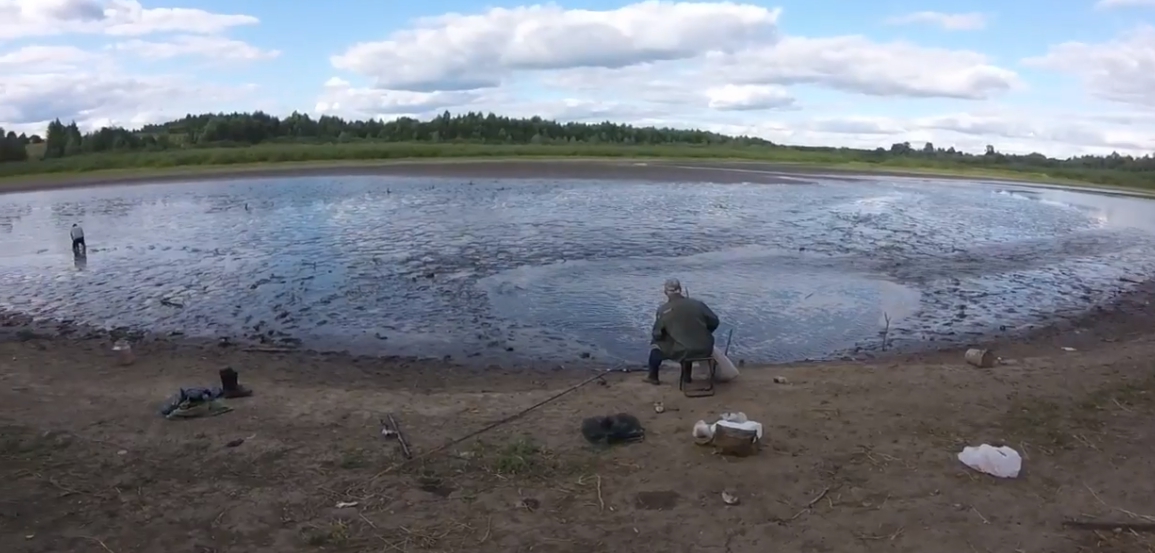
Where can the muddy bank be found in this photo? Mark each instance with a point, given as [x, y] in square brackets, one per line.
[856, 456]
[1127, 315]
[645, 170]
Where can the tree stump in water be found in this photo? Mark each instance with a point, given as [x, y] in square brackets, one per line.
[734, 441]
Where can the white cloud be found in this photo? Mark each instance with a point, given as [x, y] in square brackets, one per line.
[340, 97]
[32, 18]
[1005, 130]
[950, 21]
[215, 48]
[748, 97]
[94, 86]
[44, 59]
[1122, 70]
[722, 43]
[460, 52]
[857, 64]
[1108, 4]
[30, 101]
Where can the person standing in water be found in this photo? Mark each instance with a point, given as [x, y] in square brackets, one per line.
[78, 246]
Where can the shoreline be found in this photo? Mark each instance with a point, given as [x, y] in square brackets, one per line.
[722, 170]
[1116, 319]
[854, 453]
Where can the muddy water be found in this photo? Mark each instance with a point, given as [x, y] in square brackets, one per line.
[565, 269]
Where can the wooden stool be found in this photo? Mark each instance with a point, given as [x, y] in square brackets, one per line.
[688, 368]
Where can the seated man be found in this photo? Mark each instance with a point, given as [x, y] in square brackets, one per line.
[684, 328]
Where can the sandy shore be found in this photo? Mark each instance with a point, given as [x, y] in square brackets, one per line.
[857, 456]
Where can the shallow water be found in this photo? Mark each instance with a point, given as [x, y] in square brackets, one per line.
[557, 269]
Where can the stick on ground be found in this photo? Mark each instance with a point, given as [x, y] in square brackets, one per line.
[1100, 525]
[493, 425]
[400, 437]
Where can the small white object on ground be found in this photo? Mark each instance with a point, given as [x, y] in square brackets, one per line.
[729, 498]
[1065, 348]
[1002, 462]
[659, 408]
[737, 417]
[702, 432]
[344, 504]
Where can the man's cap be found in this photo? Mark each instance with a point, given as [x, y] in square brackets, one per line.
[672, 286]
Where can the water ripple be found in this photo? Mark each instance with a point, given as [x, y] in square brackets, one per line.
[553, 269]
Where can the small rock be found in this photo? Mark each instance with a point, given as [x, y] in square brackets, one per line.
[780, 380]
[235, 442]
[729, 498]
[122, 452]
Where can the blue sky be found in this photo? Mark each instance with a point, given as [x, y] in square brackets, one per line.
[1063, 77]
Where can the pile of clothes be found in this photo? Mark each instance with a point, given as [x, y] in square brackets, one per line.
[205, 402]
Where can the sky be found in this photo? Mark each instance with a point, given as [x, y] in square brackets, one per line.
[1061, 77]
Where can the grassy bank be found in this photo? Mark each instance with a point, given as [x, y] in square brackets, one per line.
[265, 156]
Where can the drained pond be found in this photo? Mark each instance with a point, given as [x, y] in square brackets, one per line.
[565, 270]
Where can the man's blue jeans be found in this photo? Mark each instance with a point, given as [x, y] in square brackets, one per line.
[656, 359]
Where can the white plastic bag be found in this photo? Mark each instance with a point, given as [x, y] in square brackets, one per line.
[726, 369]
[1002, 462]
[705, 432]
[736, 417]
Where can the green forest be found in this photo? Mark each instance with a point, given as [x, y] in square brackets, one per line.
[253, 138]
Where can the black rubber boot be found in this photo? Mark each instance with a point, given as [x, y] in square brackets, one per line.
[230, 385]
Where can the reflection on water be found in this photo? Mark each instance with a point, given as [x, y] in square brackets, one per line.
[553, 269]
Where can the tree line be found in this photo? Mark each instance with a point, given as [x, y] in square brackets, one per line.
[243, 129]
[13, 147]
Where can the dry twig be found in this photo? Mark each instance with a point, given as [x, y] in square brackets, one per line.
[1098, 525]
[1147, 518]
[985, 521]
[488, 529]
[809, 505]
[400, 437]
[601, 501]
[889, 537]
[102, 545]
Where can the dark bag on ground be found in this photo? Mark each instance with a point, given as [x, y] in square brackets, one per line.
[614, 429]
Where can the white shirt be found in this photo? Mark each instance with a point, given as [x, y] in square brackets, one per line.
[77, 233]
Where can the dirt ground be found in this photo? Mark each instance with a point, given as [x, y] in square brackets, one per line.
[857, 456]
